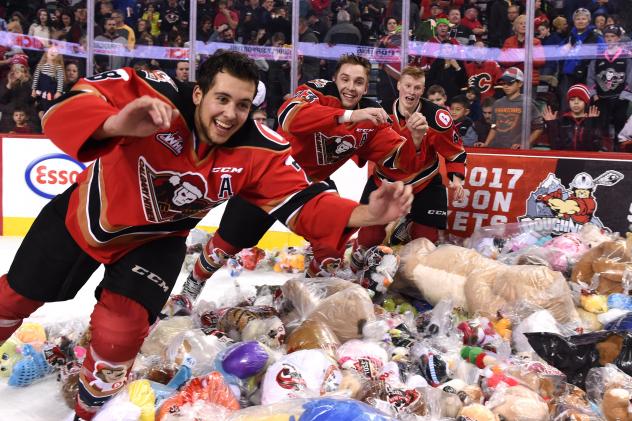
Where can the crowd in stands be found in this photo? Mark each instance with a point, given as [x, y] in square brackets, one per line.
[484, 94]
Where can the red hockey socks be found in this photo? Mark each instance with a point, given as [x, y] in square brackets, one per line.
[13, 309]
[119, 325]
[215, 254]
[419, 231]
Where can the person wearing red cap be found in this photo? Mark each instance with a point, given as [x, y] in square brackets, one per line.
[577, 129]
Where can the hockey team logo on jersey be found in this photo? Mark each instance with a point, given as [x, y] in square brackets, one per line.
[319, 83]
[481, 81]
[160, 76]
[564, 209]
[110, 74]
[171, 196]
[173, 141]
[331, 149]
[443, 119]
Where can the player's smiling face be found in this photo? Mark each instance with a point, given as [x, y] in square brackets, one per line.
[410, 90]
[223, 109]
[352, 82]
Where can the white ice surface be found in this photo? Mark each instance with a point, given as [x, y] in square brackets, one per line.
[42, 401]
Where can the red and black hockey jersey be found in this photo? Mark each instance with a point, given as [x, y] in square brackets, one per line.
[483, 76]
[321, 145]
[440, 139]
[142, 188]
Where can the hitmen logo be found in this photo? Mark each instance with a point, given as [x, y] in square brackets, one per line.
[568, 209]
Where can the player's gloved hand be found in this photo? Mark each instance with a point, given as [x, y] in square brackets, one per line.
[139, 118]
[375, 115]
[389, 202]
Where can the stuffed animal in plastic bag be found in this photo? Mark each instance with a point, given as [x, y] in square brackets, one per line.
[566, 250]
[610, 260]
[476, 412]
[290, 260]
[9, 356]
[616, 404]
[258, 323]
[301, 374]
[381, 264]
[365, 357]
[518, 403]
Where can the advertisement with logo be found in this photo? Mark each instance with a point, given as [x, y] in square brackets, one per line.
[561, 191]
[34, 171]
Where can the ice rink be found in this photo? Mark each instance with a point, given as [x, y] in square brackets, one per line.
[42, 401]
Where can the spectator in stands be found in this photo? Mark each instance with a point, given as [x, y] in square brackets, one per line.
[225, 16]
[123, 30]
[463, 124]
[599, 22]
[506, 130]
[153, 17]
[319, 27]
[389, 73]
[474, 98]
[172, 16]
[278, 85]
[17, 89]
[310, 69]
[48, 79]
[81, 16]
[182, 71]
[511, 57]
[176, 39]
[110, 35]
[72, 75]
[610, 81]
[17, 19]
[42, 27]
[205, 29]
[484, 125]
[225, 34]
[483, 74]
[604, 7]
[574, 70]
[68, 29]
[142, 27]
[500, 22]
[470, 20]
[447, 71]
[261, 116]
[426, 28]
[578, 129]
[279, 23]
[343, 32]
[264, 12]
[548, 71]
[437, 95]
[458, 31]
[21, 124]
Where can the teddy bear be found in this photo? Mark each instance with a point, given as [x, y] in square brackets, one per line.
[476, 412]
[519, 403]
[616, 404]
[609, 260]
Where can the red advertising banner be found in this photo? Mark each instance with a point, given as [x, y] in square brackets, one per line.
[561, 190]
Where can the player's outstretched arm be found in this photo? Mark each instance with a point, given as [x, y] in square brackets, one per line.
[389, 202]
[139, 118]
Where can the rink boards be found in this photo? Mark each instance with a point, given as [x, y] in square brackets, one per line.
[500, 187]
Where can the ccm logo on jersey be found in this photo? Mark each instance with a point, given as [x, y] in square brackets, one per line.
[224, 170]
[49, 175]
[443, 119]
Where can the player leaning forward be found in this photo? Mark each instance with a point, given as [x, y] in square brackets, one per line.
[162, 151]
[326, 122]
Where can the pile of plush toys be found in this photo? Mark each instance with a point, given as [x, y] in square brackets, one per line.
[517, 325]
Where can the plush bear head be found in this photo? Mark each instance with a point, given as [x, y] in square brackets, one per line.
[616, 405]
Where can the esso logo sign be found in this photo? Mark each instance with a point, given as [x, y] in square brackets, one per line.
[50, 175]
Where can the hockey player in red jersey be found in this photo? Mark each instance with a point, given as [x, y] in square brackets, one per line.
[165, 154]
[430, 207]
[326, 122]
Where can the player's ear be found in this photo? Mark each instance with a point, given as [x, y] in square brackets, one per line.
[197, 95]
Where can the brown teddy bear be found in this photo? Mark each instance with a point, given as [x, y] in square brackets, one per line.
[476, 412]
[616, 405]
[609, 259]
[519, 403]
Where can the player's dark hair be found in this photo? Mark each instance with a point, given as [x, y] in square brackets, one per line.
[236, 64]
[461, 99]
[353, 59]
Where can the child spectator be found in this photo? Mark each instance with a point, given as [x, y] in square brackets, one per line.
[261, 116]
[459, 109]
[437, 95]
[610, 81]
[474, 101]
[17, 89]
[484, 125]
[48, 80]
[21, 123]
[506, 130]
[576, 130]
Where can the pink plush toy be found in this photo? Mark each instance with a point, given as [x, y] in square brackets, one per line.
[566, 250]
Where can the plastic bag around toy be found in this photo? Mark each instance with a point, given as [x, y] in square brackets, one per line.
[573, 404]
[199, 410]
[305, 294]
[600, 379]
[135, 402]
[518, 403]
[493, 289]
[163, 333]
[608, 267]
[194, 343]
[319, 409]
[313, 334]
[492, 240]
